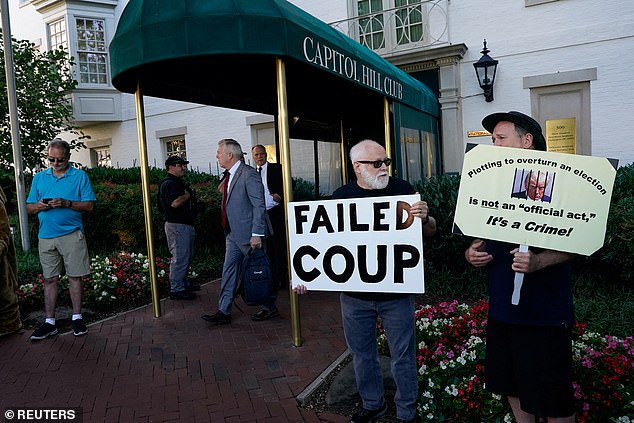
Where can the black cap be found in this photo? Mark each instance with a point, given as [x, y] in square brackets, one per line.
[520, 119]
[174, 160]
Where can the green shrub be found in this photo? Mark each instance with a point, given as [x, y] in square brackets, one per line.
[132, 175]
[303, 190]
[444, 252]
[118, 224]
[28, 265]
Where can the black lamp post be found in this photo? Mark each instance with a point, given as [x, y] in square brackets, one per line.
[485, 69]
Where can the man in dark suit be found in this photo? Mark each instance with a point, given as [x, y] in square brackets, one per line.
[271, 174]
[243, 221]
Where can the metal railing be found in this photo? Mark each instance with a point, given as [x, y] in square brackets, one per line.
[416, 25]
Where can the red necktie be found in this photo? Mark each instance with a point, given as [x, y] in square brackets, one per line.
[225, 185]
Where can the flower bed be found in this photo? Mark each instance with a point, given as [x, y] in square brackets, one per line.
[115, 282]
[451, 343]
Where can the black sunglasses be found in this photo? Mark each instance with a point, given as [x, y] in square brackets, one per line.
[57, 159]
[376, 163]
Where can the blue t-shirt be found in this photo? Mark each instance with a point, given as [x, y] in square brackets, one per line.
[74, 185]
[546, 295]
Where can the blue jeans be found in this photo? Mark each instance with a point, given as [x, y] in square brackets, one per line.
[359, 325]
[180, 241]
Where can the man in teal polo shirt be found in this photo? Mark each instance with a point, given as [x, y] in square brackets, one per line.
[58, 196]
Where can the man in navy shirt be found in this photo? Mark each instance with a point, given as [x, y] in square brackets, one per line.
[529, 345]
[59, 195]
[360, 310]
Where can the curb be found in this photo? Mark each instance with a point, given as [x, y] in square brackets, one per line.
[319, 380]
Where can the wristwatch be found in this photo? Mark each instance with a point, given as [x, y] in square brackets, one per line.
[70, 204]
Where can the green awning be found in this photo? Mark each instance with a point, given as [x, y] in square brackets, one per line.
[222, 53]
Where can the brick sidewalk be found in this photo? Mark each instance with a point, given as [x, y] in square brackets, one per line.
[178, 368]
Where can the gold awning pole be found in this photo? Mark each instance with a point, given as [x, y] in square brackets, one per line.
[344, 167]
[388, 133]
[285, 156]
[145, 189]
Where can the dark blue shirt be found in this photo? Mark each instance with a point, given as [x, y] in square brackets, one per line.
[170, 189]
[546, 295]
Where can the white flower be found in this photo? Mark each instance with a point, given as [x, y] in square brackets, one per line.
[430, 416]
[431, 383]
[422, 369]
[507, 418]
[451, 390]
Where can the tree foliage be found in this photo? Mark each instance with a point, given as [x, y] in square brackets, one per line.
[43, 81]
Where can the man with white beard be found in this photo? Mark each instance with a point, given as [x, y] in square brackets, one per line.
[360, 310]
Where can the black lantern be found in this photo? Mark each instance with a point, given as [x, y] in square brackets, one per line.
[485, 69]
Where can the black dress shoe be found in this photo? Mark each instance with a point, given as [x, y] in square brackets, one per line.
[182, 295]
[218, 318]
[265, 315]
[193, 286]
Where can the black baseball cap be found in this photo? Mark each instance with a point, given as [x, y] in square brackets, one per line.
[174, 160]
[520, 119]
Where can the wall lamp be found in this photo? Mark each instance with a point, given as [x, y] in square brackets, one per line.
[485, 70]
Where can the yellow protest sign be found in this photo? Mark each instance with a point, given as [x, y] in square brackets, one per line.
[551, 200]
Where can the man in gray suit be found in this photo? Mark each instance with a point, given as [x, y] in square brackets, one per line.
[243, 221]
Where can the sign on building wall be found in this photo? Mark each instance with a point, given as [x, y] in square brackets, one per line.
[542, 199]
[363, 245]
[561, 135]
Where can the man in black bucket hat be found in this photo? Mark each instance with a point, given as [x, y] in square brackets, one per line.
[524, 125]
[528, 354]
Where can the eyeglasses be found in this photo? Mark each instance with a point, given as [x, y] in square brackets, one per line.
[376, 163]
[57, 159]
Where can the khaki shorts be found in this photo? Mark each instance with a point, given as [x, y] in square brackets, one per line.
[65, 252]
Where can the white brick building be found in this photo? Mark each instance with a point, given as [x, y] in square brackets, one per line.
[557, 59]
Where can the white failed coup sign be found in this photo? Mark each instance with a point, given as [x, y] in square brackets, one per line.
[361, 245]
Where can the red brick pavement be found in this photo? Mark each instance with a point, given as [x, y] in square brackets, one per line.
[179, 368]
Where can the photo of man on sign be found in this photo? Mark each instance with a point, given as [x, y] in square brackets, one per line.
[533, 184]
